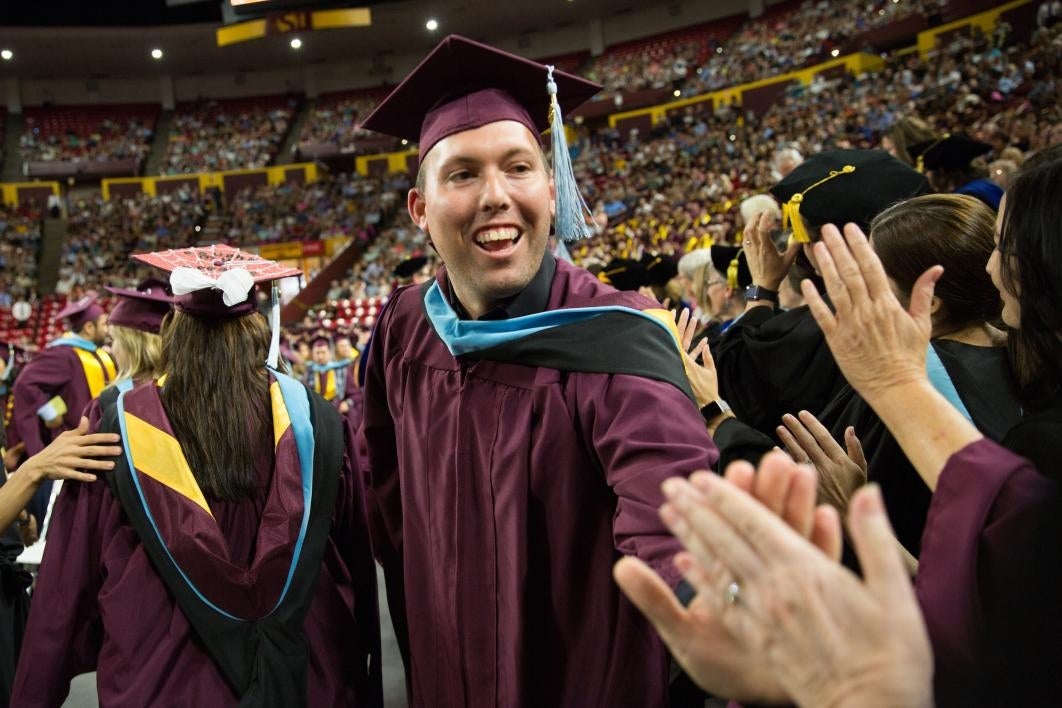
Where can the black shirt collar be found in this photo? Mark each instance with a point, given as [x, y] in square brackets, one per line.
[529, 301]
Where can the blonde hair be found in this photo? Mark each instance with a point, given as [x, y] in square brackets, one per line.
[141, 353]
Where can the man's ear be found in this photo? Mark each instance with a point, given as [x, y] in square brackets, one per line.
[417, 208]
[552, 198]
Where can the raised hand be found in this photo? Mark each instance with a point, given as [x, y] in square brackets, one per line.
[703, 377]
[767, 266]
[876, 342]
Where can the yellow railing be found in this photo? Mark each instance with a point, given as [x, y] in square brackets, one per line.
[853, 63]
[206, 180]
[927, 40]
[396, 161]
[9, 190]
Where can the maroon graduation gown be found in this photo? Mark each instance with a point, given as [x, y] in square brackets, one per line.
[55, 371]
[500, 497]
[100, 605]
[989, 578]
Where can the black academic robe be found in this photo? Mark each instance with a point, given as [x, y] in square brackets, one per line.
[774, 362]
[983, 380]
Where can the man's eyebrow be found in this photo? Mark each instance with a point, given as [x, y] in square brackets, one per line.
[471, 160]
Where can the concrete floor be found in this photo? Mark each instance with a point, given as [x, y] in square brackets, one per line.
[83, 687]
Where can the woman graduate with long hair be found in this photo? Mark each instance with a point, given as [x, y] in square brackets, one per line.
[226, 561]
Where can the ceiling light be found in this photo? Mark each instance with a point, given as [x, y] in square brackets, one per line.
[7, 55]
[677, 93]
[835, 53]
[156, 53]
[296, 43]
[432, 24]
[405, 142]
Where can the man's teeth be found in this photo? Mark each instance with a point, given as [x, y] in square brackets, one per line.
[497, 235]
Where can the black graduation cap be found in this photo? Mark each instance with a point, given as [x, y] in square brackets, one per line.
[408, 267]
[951, 152]
[659, 269]
[624, 274]
[842, 186]
[731, 261]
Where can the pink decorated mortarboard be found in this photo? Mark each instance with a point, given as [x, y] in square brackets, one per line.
[216, 281]
[80, 312]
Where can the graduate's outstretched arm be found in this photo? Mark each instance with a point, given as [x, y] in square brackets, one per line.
[73, 455]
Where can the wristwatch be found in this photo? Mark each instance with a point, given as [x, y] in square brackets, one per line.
[714, 409]
[758, 292]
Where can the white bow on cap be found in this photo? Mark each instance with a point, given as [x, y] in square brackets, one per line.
[234, 284]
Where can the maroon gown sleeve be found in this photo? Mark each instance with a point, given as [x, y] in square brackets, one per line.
[350, 533]
[43, 378]
[64, 632]
[989, 571]
[643, 432]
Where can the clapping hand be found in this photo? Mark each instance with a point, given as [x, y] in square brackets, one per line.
[703, 377]
[822, 635]
[841, 473]
[713, 657]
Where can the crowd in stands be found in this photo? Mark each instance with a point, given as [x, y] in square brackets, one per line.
[98, 133]
[20, 241]
[683, 181]
[227, 135]
[795, 36]
[335, 119]
[667, 190]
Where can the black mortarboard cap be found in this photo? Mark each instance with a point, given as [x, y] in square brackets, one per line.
[408, 267]
[952, 152]
[624, 274]
[732, 263]
[842, 186]
[659, 269]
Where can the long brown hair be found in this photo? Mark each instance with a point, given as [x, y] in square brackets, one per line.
[216, 397]
[952, 230]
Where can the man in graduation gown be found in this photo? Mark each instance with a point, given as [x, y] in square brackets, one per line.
[333, 380]
[53, 390]
[520, 415]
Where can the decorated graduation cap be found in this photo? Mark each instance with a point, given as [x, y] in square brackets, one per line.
[218, 282]
[409, 267]
[80, 312]
[142, 308]
[731, 261]
[842, 186]
[659, 269]
[950, 152]
[624, 274]
[463, 85]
